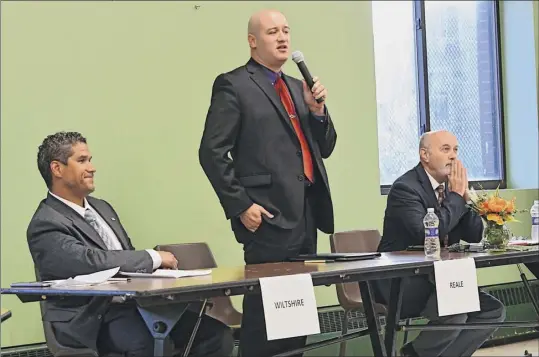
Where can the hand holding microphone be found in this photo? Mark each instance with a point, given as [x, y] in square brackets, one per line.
[314, 92]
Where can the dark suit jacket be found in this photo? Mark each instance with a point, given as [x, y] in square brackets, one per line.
[407, 203]
[64, 245]
[247, 119]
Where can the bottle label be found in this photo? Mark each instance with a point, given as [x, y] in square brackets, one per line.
[431, 232]
[535, 221]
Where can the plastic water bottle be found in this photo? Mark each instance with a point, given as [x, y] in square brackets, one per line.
[534, 211]
[432, 239]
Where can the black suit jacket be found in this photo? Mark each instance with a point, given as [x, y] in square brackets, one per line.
[247, 120]
[407, 203]
[64, 245]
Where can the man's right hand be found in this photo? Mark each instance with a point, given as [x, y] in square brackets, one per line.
[168, 260]
[458, 178]
[252, 217]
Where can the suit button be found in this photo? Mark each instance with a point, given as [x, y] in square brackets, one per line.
[300, 177]
[99, 316]
[298, 153]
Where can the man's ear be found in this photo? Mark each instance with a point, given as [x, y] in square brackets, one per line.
[424, 154]
[56, 168]
[252, 41]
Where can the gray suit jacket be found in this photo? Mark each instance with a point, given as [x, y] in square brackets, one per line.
[64, 245]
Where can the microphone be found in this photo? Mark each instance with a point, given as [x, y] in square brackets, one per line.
[297, 57]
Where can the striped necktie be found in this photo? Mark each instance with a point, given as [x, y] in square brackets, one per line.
[91, 218]
[441, 195]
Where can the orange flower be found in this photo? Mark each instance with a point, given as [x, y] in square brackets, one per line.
[496, 204]
[483, 209]
[495, 218]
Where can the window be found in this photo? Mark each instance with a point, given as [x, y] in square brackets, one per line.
[437, 67]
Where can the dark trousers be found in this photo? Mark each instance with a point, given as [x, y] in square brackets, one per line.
[419, 299]
[123, 331]
[300, 240]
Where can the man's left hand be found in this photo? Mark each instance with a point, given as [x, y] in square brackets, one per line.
[310, 96]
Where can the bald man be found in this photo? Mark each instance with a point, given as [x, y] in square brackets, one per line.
[439, 181]
[262, 148]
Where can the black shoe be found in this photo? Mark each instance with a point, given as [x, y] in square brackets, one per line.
[408, 350]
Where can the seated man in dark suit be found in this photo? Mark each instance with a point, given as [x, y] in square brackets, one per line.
[72, 233]
[439, 181]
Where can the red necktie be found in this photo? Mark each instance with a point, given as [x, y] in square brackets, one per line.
[283, 92]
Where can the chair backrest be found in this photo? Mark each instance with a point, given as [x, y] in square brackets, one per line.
[191, 255]
[356, 241]
[199, 256]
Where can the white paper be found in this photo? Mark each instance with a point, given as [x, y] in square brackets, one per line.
[88, 279]
[289, 306]
[169, 273]
[523, 242]
[456, 286]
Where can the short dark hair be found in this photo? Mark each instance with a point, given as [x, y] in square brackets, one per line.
[56, 147]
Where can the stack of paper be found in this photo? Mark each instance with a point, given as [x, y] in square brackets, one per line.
[87, 280]
[167, 273]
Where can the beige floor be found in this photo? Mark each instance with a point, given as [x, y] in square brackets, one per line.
[515, 349]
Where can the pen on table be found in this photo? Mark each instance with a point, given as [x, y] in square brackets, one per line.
[119, 279]
[317, 261]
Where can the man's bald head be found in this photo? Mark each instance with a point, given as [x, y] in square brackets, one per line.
[253, 27]
[268, 37]
[432, 137]
[437, 151]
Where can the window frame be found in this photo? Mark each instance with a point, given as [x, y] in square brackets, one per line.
[423, 88]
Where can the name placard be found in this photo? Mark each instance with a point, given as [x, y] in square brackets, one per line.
[289, 306]
[456, 286]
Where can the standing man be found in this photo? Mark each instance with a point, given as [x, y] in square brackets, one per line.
[262, 148]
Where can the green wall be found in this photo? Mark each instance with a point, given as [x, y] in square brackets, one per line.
[536, 27]
[135, 78]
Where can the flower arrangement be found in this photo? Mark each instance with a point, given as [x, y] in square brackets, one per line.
[495, 212]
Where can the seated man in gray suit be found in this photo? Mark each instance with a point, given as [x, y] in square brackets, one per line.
[439, 181]
[72, 233]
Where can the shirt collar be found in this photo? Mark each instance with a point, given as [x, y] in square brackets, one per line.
[272, 76]
[433, 182]
[80, 210]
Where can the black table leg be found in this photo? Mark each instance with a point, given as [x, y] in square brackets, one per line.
[528, 290]
[160, 320]
[195, 329]
[378, 347]
[393, 315]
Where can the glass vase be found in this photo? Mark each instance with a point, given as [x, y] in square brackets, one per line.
[496, 236]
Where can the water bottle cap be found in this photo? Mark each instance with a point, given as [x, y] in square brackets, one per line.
[536, 202]
[430, 210]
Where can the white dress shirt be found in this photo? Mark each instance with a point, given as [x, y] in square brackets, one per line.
[156, 258]
[434, 184]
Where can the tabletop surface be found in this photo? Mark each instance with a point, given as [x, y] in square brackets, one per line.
[245, 275]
